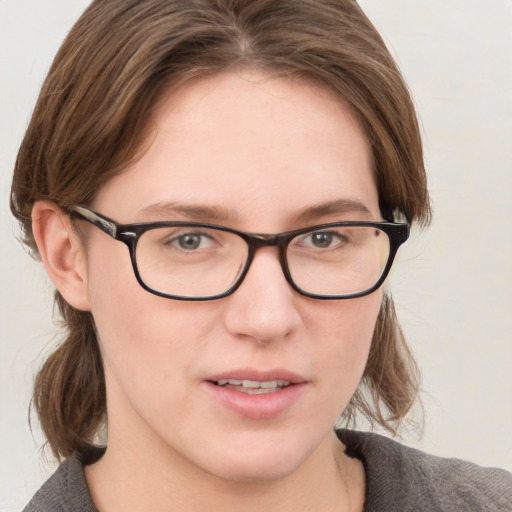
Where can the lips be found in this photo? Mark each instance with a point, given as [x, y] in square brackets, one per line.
[255, 394]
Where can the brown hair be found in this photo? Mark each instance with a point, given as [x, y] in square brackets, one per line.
[88, 123]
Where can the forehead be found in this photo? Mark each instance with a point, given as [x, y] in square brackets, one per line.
[255, 146]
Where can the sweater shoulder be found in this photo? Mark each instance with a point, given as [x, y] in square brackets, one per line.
[415, 480]
[65, 491]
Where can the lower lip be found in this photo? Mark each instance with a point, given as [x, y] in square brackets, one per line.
[257, 407]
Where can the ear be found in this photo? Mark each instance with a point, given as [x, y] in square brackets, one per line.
[62, 253]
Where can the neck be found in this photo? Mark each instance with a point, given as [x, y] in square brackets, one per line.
[139, 478]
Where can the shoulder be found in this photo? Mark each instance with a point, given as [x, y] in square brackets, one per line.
[405, 479]
[65, 491]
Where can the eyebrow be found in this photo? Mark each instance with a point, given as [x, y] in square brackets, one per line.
[189, 211]
[330, 208]
[216, 214]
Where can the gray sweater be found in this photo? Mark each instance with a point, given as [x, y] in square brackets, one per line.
[398, 479]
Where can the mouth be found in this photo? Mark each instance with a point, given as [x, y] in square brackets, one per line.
[257, 394]
[253, 387]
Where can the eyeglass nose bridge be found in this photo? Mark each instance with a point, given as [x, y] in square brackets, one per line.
[257, 241]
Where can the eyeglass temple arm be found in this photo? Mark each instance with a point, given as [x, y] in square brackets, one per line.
[104, 223]
[399, 217]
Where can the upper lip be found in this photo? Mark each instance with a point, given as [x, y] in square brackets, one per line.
[259, 375]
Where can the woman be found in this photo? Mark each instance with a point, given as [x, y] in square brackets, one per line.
[261, 161]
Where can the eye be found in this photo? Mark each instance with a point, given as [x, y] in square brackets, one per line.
[191, 241]
[322, 240]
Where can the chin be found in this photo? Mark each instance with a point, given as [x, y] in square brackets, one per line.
[255, 471]
[257, 460]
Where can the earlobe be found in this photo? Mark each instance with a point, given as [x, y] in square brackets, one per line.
[61, 252]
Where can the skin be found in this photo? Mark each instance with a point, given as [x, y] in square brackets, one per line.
[259, 151]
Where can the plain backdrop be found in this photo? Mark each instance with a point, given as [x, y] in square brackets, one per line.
[452, 284]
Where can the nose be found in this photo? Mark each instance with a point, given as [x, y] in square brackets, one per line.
[263, 308]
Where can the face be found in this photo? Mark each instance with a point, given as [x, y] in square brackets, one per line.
[261, 155]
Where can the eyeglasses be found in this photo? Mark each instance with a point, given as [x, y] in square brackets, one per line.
[196, 261]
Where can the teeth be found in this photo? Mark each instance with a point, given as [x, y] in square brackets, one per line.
[254, 384]
[233, 382]
[258, 391]
[250, 384]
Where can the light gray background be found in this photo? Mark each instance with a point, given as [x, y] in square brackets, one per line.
[452, 284]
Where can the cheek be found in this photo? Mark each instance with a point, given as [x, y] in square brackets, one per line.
[149, 347]
[145, 340]
[344, 336]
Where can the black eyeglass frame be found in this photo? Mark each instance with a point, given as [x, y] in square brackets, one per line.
[129, 234]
